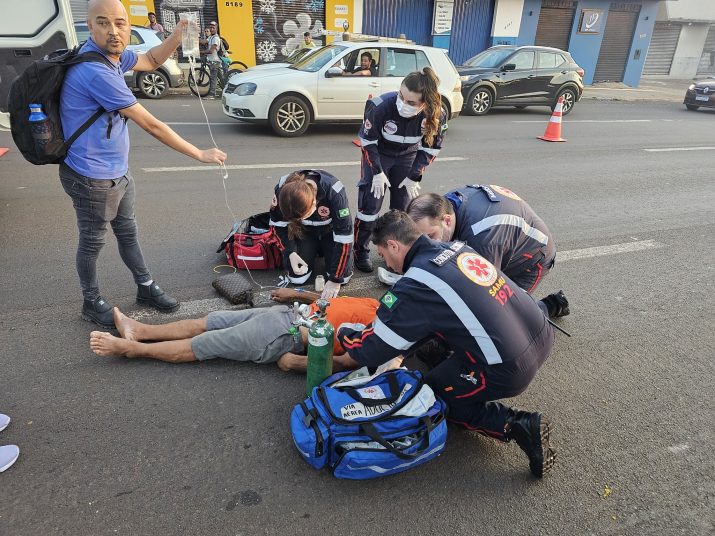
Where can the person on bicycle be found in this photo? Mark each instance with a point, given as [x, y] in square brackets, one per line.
[213, 59]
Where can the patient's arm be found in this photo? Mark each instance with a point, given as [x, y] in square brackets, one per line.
[290, 295]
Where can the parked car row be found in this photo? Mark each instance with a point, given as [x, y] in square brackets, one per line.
[312, 88]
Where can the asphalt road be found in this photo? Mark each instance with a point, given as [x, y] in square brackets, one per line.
[115, 446]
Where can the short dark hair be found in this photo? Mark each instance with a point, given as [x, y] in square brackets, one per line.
[151, 13]
[366, 53]
[432, 206]
[395, 225]
[306, 34]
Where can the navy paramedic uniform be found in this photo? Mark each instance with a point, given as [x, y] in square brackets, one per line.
[504, 229]
[394, 145]
[328, 231]
[499, 335]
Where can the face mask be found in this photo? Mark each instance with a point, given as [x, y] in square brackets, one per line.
[407, 110]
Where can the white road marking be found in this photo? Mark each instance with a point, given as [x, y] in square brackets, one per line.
[566, 120]
[677, 449]
[197, 308]
[203, 123]
[600, 251]
[674, 149]
[287, 165]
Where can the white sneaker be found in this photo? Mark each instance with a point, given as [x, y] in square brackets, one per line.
[4, 421]
[8, 455]
[387, 277]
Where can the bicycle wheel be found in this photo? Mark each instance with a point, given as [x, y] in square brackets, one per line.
[237, 66]
[200, 85]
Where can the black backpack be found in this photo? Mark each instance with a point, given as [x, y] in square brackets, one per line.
[41, 83]
[223, 50]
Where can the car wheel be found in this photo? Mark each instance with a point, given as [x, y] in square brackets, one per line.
[569, 96]
[153, 84]
[480, 102]
[289, 116]
[692, 107]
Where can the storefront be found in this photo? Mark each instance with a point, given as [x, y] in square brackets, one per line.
[608, 39]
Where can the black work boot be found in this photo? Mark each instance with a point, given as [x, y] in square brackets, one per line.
[153, 296]
[99, 312]
[557, 304]
[364, 265]
[531, 432]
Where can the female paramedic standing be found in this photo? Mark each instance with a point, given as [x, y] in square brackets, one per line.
[400, 136]
[310, 214]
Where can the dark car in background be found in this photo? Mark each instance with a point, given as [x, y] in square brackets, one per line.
[520, 76]
[700, 94]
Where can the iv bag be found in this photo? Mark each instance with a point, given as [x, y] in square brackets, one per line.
[190, 35]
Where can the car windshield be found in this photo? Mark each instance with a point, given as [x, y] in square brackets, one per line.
[315, 62]
[298, 55]
[490, 58]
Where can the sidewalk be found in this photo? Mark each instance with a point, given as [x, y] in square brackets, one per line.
[649, 90]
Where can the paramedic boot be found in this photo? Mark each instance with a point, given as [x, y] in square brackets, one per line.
[8, 456]
[556, 304]
[364, 265]
[531, 432]
[153, 296]
[99, 312]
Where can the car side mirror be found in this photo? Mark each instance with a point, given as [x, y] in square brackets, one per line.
[333, 72]
[508, 67]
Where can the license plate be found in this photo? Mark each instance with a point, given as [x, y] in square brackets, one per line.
[702, 97]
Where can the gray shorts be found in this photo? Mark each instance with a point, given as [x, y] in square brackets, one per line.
[257, 335]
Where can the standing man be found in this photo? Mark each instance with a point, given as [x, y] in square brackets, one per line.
[95, 173]
[498, 335]
[401, 135]
[501, 227]
[307, 41]
[153, 24]
[214, 46]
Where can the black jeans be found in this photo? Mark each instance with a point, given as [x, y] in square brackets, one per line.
[99, 202]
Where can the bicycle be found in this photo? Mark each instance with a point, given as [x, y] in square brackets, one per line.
[200, 85]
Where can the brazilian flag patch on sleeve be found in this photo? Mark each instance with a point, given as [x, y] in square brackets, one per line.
[389, 299]
[343, 212]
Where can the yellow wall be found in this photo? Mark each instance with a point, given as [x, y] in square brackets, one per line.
[235, 19]
[137, 10]
[337, 11]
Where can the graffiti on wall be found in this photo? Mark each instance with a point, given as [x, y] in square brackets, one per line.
[279, 25]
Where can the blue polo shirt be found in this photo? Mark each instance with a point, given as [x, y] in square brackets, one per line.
[102, 151]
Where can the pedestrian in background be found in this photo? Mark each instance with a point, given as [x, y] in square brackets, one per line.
[153, 24]
[212, 56]
[400, 136]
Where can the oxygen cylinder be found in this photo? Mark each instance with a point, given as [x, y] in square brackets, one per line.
[320, 348]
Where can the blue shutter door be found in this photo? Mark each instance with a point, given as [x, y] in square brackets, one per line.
[390, 18]
[471, 29]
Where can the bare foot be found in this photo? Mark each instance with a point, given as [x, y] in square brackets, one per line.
[127, 327]
[106, 344]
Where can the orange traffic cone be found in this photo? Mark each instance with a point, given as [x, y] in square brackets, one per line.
[357, 141]
[553, 129]
[3, 150]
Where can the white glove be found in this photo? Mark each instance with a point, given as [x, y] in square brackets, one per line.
[331, 290]
[297, 264]
[412, 187]
[379, 184]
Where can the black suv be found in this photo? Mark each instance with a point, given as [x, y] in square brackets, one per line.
[520, 77]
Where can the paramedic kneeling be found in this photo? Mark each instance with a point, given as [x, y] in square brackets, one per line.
[499, 335]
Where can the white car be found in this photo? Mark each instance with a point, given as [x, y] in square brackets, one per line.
[292, 58]
[313, 89]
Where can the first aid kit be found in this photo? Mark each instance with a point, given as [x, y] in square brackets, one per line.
[252, 244]
[363, 426]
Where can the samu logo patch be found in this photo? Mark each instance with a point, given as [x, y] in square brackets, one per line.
[389, 300]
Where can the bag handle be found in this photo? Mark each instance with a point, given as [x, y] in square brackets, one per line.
[394, 388]
[373, 434]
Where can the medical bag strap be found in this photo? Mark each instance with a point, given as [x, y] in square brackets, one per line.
[394, 389]
[369, 429]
